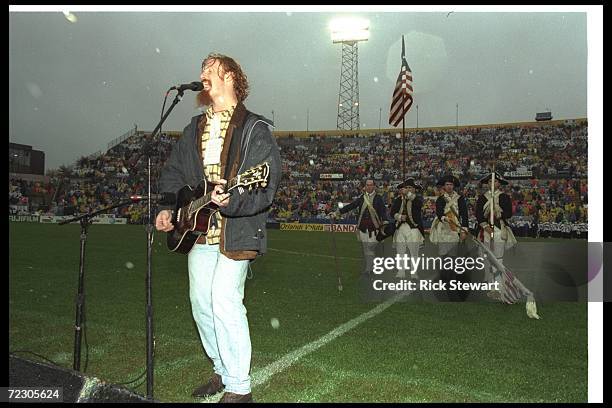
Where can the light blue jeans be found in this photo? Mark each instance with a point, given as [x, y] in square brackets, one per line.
[216, 290]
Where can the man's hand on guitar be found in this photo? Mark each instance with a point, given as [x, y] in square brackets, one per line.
[219, 197]
[163, 221]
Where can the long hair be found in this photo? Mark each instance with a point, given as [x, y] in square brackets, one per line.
[226, 64]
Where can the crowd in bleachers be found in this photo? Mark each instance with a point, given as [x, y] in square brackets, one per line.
[97, 182]
[21, 191]
[548, 163]
[546, 151]
[548, 183]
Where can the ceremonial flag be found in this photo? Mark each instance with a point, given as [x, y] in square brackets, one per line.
[402, 94]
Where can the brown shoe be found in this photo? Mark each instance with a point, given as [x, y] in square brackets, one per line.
[213, 386]
[231, 397]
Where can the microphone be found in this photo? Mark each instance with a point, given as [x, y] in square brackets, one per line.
[163, 198]
[194, 86]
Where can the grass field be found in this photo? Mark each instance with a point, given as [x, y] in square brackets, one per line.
[410, 352]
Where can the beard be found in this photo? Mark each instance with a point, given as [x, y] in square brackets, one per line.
[203, 99]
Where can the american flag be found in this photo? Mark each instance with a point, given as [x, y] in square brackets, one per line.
[402, 94]
[510, 293]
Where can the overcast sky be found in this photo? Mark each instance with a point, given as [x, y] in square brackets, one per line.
[74, 86]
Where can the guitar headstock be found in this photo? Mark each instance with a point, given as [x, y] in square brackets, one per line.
[255, 176]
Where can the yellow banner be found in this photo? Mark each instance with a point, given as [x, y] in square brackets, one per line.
[285, 226]
[342, 228]
[301, 227]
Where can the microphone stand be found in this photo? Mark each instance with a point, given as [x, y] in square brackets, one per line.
[148, 279]
[84, 220]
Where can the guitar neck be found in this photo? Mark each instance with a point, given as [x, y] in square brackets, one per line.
[207, 198]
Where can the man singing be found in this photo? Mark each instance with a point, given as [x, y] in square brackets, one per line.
[219, 145]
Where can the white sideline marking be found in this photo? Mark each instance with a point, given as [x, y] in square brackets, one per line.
[308, 254]
[267, 372]
[263, 375]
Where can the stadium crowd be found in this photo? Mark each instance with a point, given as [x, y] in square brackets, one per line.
[545, 163]
[97, 182]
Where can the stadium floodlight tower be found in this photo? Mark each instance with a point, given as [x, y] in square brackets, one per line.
[348, 32]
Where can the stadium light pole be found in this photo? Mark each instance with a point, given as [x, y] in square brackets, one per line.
[457, 117]
[348, 32]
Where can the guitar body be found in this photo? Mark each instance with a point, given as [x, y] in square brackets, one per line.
[194, 209]
[188, 227]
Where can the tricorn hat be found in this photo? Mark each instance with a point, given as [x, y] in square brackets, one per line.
[498, 177]
[410, 183]
[449, 178]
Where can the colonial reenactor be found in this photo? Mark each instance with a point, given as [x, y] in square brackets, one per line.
[409, 231]
[446, 231]
[369, 222]
[451, 212]
[492, 214]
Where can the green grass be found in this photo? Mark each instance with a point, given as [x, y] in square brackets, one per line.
[410, 352]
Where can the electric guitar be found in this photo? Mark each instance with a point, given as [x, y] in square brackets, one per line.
[194, 207]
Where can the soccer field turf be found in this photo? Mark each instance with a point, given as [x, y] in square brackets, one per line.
[410, 351]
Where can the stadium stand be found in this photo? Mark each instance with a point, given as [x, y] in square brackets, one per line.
[546, 163]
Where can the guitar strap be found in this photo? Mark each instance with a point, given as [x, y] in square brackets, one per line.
[232, 156]
[231, 166]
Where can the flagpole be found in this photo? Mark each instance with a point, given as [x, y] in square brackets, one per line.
[403, 141]
[492, 209]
